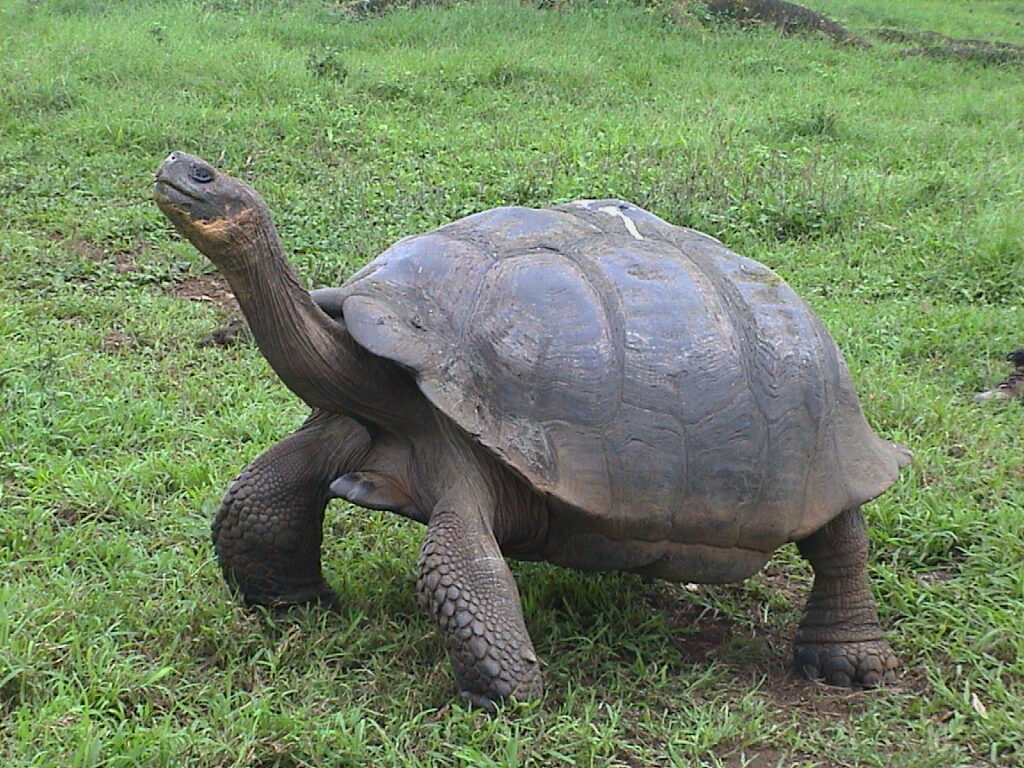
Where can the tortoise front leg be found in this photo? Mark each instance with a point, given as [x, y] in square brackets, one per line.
[467, 587]
[269, 527]
[840, 639]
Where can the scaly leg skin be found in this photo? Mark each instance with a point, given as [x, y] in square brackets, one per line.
[268, 529]
[840, 639]
[467, 587]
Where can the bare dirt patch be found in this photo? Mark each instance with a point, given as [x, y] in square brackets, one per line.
[65, 515]
[211, 289]
[120, 259]
[235, 332]
[813, 700]
[936, 576]
[700, 634]
[937, 45]
[788, 17]
[793, 586]
[759, 641]
[214, 289]
[117, 341]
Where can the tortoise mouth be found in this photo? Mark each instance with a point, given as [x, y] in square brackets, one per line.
[167, 192]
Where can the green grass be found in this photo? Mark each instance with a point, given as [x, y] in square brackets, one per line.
[886, 189]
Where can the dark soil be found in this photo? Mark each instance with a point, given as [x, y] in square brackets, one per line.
[213, 289]
[936, 45]
[788, 17]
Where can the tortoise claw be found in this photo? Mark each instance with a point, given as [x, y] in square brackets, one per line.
[869, 664]
[479, 701]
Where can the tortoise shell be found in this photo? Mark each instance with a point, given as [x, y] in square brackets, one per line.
[658, 386]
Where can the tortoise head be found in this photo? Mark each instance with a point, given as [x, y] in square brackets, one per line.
[221, 216]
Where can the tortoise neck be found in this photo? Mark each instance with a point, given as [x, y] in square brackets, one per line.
[312, 353]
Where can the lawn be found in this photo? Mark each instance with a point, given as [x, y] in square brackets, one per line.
[886, 188]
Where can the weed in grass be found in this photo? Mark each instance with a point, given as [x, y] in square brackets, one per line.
[328, 63]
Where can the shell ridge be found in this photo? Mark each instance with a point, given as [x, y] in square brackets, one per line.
[741, 322]
[477, 292]
[614, 313]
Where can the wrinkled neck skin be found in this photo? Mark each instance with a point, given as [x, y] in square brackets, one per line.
[313, 354]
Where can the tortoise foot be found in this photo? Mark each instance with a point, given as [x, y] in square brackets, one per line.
[317, 595]
[868, 663]
[488, 683]
[492, 699]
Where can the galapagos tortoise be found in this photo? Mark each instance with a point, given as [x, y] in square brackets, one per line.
[584, 384]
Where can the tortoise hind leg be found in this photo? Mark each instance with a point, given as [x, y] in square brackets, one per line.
[840, 639]
[268, 530]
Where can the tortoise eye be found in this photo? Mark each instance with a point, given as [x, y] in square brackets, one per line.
[201, 173]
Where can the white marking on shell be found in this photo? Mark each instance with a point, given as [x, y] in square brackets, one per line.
[612, 210]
